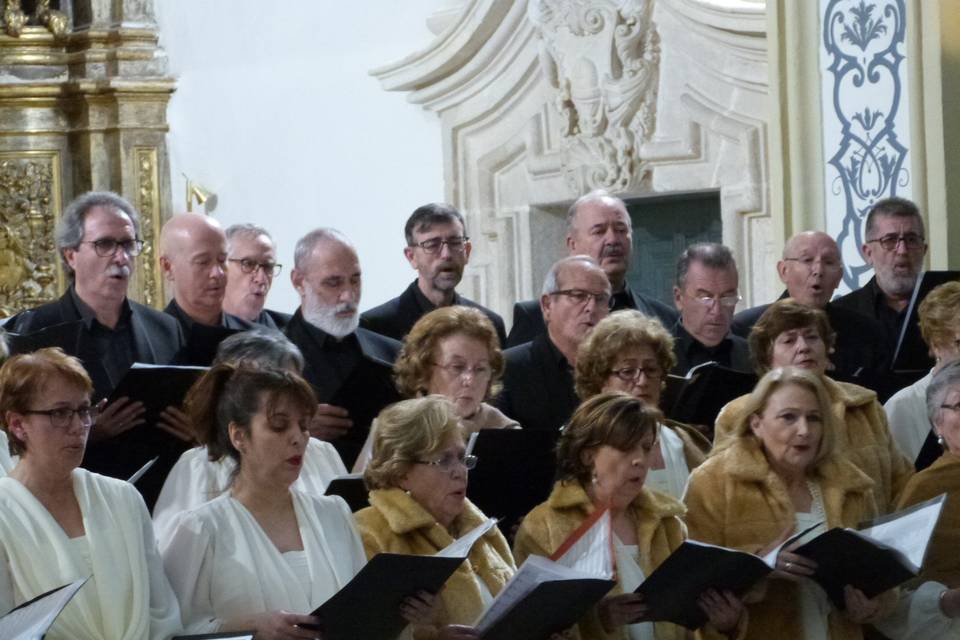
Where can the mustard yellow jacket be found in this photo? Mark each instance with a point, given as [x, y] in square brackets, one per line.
[736, 500]
[864, 438]
[396, 523]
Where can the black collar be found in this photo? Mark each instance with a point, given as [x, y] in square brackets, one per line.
[89, 317]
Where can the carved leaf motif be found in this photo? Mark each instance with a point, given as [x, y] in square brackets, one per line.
[864, 28]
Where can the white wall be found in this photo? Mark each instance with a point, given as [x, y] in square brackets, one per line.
[275, 112]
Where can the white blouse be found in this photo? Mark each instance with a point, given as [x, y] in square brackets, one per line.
[918, 616]
[630, 574]
[7, 462]
[222, 565]
[907, 416]
[814, 605]
[194, 480]
[672, 479]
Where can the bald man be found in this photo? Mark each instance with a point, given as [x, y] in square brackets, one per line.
[193, 257]
[811, 269]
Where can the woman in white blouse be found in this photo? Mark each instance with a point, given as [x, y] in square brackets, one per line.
[262, 556]
[59, 523]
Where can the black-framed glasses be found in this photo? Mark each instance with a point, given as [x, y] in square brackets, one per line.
[449, 462]
[632, 374]
[107, 247]
[456, 244]
[248, 266]
[889, 242]
[581, 296]
[460, 369]
[61, 417]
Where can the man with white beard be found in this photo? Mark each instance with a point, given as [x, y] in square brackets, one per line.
[350, 368]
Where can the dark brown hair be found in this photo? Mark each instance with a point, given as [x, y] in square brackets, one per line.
[785, 315]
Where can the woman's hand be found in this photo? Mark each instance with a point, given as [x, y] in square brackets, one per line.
[792, 566]
[859, 608]
[283, 625]
[457, 632]
[616, 611]
[421, 608]
[113, 419]
[722, 608]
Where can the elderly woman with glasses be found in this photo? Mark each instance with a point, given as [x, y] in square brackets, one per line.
[60, 523]
[630, 352]
[418, 505]
[792, 334]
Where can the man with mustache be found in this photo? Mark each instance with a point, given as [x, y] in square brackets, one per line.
[894, 246]
[438, 249]
[598, 225]
[251, 266]
[538, 389]
[98, 238]
[811, 269]
[349, 367]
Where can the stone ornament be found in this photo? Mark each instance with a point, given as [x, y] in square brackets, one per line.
[602, 58]
[14, 18]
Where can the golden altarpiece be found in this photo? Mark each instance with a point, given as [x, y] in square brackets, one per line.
[83, 100]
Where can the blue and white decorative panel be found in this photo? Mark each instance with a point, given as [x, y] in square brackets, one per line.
[866, 126]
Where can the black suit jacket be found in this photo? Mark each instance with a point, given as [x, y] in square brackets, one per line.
[537, 386]
[394, 318]
[273, 319]
[528, 317]
[363, 393]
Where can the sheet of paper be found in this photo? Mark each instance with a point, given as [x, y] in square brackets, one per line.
[909, 531]
[142, 470]
[460, 548]
[31, 621]
[592, 552]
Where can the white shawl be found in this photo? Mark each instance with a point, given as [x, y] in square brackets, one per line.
[128, 598]
[6, 461]
[222, 565]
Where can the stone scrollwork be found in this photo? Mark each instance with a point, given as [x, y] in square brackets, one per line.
[29, 198]
[602, 58]
[863, 42]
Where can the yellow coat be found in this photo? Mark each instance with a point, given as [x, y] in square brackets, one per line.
[659, 532]
[396, 523]
[736, 500]
[942, 563]
[864, 438]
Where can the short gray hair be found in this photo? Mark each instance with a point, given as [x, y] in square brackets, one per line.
[69, 232]
[306, 244]
[940, 385]
[712, 255]
[596, 195]
[550, 284]
[245, 230]
[261, 346]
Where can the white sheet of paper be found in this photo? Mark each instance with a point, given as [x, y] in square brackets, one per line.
[592, 553]
[32, 621]
[460, 548]
[910, 532]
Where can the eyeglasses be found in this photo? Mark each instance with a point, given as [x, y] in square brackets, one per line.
[449, 462]
[63, 416]
[248, 266]
[808, 261]
[728, 302]
[580, 297]
[456, 244]
[631, 374]
[458, 370]
[889, 242]
[953, 407]
[107, 247]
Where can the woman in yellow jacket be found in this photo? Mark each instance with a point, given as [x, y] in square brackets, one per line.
[602, 460]
[774, 474]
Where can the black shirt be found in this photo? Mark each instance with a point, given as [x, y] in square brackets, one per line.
[116, 348]
[732, 352]
[345, 354]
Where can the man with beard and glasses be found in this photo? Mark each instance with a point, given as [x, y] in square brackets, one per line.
[438, 249]
[895, 246]
[598, 225]
[251, 267]
[98, 238]
[350, 368]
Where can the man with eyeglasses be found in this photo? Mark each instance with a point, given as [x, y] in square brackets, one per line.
[706, 294]
[538, 389]
[251, 267]
[895, 246]
[350, 368]
[438, 250]
[98, 239]
[598, 225]
[811, 269]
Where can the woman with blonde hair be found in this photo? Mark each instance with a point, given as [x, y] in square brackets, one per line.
[776, 472]
[630, 352]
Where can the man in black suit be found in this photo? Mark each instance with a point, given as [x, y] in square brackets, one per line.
[98, 238]
[598, 225]
[438, 249]
[811, 269]
[706, 293]
[538, 387]
[895, 246]
[251, 267]
[349, 367]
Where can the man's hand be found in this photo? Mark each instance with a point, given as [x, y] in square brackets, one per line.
[176, 423]
[113, 419]
[330, 422]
